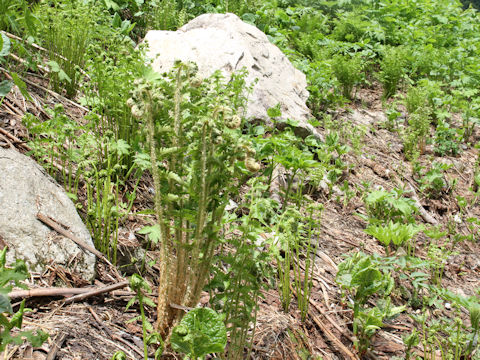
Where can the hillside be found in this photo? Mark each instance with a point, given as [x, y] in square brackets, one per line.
[357, 241]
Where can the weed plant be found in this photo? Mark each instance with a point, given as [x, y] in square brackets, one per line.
[240, 270]
[392, 69]
[395, 234]
[66, 32]
[8, 278]
[384, 206]
[433, 182]
[293, 241]
[450, 337]
[348, 71]
[447, 141]
[193, 152]
[80, 155]
[415, 137]
[361, 277]
[150, 337]
[114, 63]
[16, 16]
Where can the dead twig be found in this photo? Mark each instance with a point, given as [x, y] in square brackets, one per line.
[14, 139]
[54, 94]
[423, 213]
[57, 345]
[112, 335]
[60, 229]
[97, 291]
[327, 331]
[46, 292]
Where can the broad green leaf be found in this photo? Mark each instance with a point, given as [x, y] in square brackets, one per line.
[375, 196]
[112, 5]
[5, 87]
[154, 233]
[5, 305]
[55, 67]
[4, 45]
[200, 332]
[274, 112]
[21, 85]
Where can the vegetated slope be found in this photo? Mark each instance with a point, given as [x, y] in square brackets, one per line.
[394, 90]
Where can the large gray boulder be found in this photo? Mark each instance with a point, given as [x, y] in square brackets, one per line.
[25, 190]
[224, 42]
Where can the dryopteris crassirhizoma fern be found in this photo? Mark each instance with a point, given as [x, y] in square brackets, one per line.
[192, 129]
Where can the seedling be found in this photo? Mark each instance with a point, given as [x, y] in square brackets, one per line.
[361, 277]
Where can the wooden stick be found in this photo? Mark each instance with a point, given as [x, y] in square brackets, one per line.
[57, 95]
[14, 139]
[60, 229]
[423, 213]
[327, 331]
[57, 345]
[97, 291]
[112, 335]
[45, 292]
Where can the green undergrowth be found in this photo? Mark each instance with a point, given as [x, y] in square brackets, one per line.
[235, 208]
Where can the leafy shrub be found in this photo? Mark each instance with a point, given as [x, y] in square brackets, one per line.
[415, 99]
[348, 71]
[240, 269]
[361, 278]
[383, 206]
[349, 28]
[8, 277]
[192, 128]
[470, 118]
[433, 183]
[415, 137]
[392, 69]
[66, 32]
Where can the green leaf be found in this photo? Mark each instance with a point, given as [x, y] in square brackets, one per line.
[5, 87]
[5, 305]
[21, 85]
[154, 233]
[36, 340]
[200, 332]
[112, 5]
[274, 112]
[62, 75]
[4, 45]
[116, 21]
[119, 355]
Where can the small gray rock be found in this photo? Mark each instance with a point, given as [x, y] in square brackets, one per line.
[25, 190]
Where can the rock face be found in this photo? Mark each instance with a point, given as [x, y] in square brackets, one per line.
[224, 42]
[25, 190]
